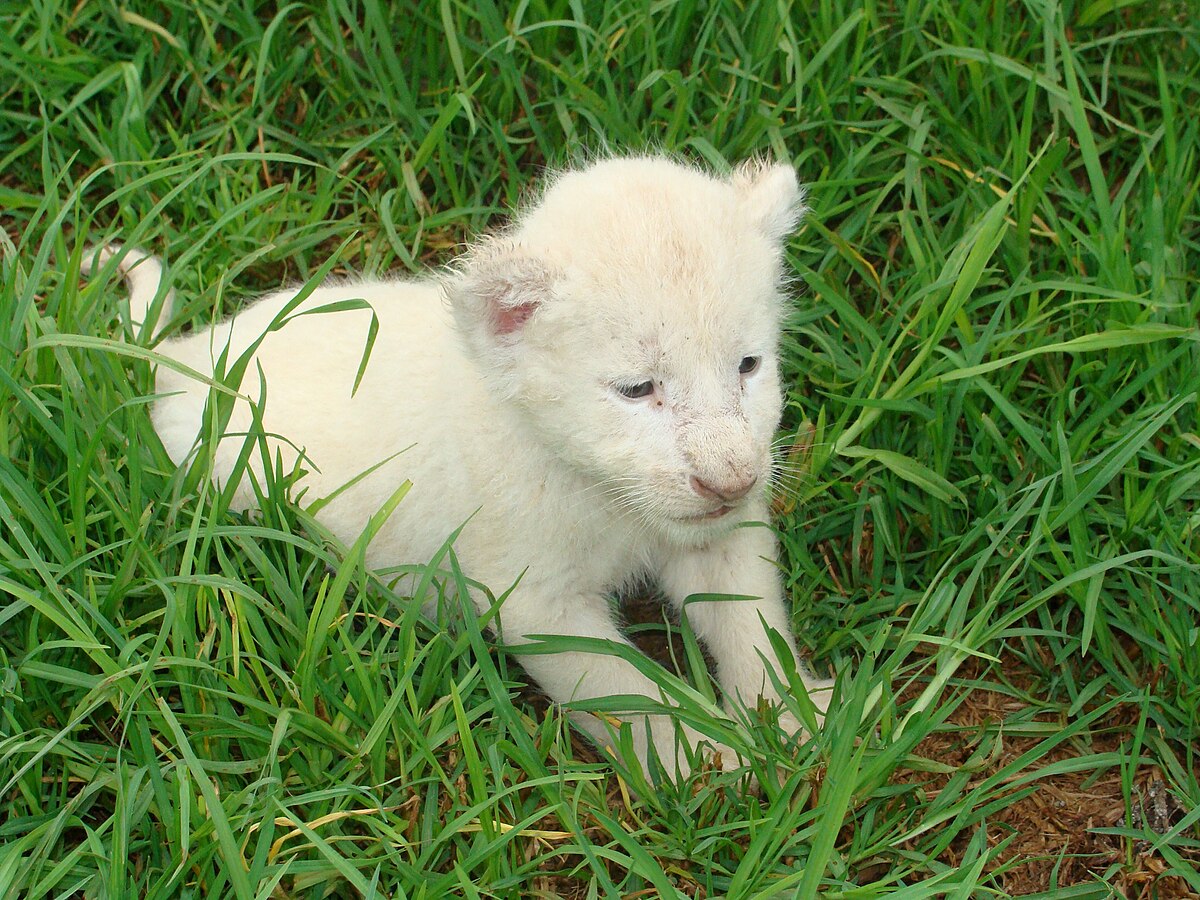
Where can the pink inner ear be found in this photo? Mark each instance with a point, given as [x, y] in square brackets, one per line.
[512, 318]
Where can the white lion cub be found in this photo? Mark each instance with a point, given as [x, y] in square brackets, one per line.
[593, 392]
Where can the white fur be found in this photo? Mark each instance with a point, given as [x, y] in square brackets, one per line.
[144, 274]
[502, 380]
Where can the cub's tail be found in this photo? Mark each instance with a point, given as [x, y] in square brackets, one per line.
[144, 273]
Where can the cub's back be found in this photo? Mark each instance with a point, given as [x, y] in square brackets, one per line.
[310, 365]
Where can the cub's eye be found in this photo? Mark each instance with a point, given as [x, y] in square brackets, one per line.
[636, 391]
[749, 364]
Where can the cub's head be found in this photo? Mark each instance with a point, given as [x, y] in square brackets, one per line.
[632, 316]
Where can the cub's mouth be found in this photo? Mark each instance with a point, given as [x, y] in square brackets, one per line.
[712, 515]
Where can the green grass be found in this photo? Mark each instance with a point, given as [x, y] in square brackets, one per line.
[993, 367]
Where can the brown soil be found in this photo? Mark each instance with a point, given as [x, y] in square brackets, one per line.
[1052, 843]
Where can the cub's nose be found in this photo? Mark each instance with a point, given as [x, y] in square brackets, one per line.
[724, 491]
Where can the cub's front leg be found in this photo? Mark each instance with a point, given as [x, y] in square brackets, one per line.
[574, 675]
[740, 563]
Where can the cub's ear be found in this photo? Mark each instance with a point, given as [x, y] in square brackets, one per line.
[771, 196]
[495, 290]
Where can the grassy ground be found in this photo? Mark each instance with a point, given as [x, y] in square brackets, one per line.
[993, 368]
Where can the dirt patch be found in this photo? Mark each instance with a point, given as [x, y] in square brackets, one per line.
[1050, 836]
[1050, 832]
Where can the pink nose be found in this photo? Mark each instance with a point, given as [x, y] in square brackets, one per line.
[726, 492]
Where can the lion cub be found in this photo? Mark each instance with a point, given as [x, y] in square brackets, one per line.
[593, 391]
